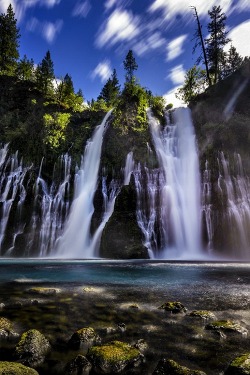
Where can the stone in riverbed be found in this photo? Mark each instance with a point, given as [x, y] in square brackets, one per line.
[78, 365]
[170, 367]
[203, 314]
[6, 328]
[174, 307]
[32, 348]
[84, 337]
[12, 368]
[45, 291]
[226, 326]
[239, 366]
[114, 357]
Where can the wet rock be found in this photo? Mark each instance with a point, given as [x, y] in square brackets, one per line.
[174, 307]
[134, 306]
[226, 326]
[114, 357]
[141, 345]
[2, 306]
[78, 366]
[44, 291]
[203, 314]
[121, 327]
[84, 338]
[6, 328]
[32, 348]
[239, 366]
[170, 367]
[12, 368]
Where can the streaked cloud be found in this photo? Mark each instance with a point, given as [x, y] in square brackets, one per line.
[240, 38]
[81, 9]
[48, 30]
[177, 75]
[109, 4]
[120, 26]
[171, 98]
[147, 43]
[175, 47]
[102, 70]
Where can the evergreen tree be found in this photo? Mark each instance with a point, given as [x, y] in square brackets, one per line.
[45, 75]
[194, 84]
[216, 42]
[9, 42]
[130, 66]
[110, 90]
[25, 69]
[233, 61]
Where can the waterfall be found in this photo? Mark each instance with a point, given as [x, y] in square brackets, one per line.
[180, 186]
[207, 206]
[75, 241]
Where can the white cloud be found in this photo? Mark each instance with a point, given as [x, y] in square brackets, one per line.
[120, 26]
[81, 9]
[177, 75]
[103, 71]
[149, 43]
[240, 38]
[171, 98]
[175, 47]
[48, 30]
[109, 4]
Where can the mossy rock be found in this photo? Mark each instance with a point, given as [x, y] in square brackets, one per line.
[203, 314]
[227, 326]
[78, 365]
[114, 357]
[44, 291]
[174, 307]
[170, 367]
[239, 366]
[32, 348]
[84, 337]
[12, 368]
[6, 328]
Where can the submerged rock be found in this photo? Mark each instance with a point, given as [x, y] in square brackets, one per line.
[6, 328]
[174, 307]
[170, 367]
[114, 357]
[239, 366]
[44, 291]
[12, 368]
[32, 348]
[227, 326]
[78, 365]
[203, 314]
[84, 337]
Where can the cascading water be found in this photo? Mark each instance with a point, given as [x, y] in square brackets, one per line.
[207, 206]
[180, 186]
[75, 241]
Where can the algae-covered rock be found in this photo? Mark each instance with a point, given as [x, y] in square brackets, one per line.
[32, 348]
[84, 337]
[12, 368]
[44, 291]
[174, 307]
[6, 328]
[239, 366]
[78, 365]
[114, 357]
[203, 314]
[227, 326]
[170, 367]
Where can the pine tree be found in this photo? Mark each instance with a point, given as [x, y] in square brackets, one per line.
[216, 42]
[45, 75]
[233, 61]
[9, 42]
[25, 69]
[130, 66]
[110, 90]
[194, 84]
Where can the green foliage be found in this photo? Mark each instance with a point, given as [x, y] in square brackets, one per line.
[26, 69]
[158, 107]
[233, 61]
[66, 97]
[130, 66]
[45, 76]
[194, 84]
[110, 91]
[55, 128]
[9, 42]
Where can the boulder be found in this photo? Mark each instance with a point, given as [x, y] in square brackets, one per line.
[44, 291]
[239, 366]
[170, 367]
[77, 366]
[114, 357]
[84, 338]
[226, 326]
[6, 328]
[203, 314]
[32, 348]
[174, 307]
[12, 368]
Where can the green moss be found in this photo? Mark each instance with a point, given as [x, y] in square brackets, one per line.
[226, 325]
[12, 368]
[242, 361]
[173, 306]
[204, 314]
[114, 351]
[5, 324]
[170, 367]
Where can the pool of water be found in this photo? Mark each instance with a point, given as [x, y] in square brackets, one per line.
[102, 294]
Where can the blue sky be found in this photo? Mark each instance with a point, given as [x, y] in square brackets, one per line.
[89, 38]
